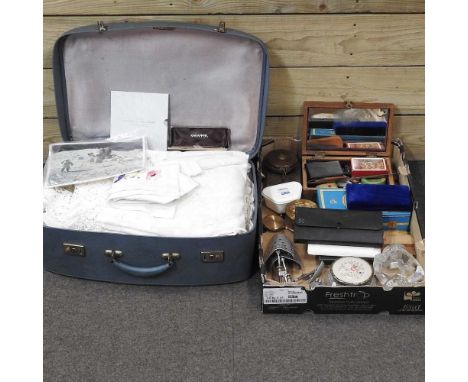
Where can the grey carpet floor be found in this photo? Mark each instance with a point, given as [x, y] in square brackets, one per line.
[105, 332]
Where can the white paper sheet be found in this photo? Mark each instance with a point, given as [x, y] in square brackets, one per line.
[140, 114]
[342, 250]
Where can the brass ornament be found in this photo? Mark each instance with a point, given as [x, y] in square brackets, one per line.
[291, 207]
[273, 222]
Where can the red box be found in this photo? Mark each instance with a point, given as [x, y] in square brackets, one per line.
[368, 166]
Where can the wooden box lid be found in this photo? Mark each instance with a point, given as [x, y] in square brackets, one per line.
[336, 107]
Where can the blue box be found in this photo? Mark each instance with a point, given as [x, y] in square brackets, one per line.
[321, 132]
[332, 198]
[396, 220]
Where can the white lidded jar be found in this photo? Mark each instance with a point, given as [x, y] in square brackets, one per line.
[277, 197]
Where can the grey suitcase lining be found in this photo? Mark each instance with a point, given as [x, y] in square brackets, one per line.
[82, 103]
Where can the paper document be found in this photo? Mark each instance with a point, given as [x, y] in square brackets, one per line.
[135, 114]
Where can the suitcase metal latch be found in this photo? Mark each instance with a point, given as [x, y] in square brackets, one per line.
[74, 249]
[212, 256]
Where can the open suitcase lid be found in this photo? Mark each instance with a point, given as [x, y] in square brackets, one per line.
[214, 77]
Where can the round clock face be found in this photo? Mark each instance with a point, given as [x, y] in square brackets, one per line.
[352, 271]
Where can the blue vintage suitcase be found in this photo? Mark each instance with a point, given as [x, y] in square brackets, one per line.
[215, 76]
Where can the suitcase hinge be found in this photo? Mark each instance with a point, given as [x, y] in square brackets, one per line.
[101, 27]
[221, 27]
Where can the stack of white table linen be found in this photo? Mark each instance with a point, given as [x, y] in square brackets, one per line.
[180, 194]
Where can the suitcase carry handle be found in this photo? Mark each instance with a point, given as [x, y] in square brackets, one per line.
[115, 256]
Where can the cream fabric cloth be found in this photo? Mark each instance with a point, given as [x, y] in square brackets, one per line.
[220, 203]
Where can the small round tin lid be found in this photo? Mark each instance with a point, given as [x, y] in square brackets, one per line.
[273, 222]
[281, 161]
[291, 207]
[351, 271]
[283, 193]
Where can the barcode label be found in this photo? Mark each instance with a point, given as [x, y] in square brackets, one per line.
[284, 296]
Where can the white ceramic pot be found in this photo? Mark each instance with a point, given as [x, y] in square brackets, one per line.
[277, 197]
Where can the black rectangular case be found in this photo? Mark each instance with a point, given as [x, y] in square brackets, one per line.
[215, 77]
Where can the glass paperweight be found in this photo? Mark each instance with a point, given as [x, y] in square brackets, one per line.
[396, 267]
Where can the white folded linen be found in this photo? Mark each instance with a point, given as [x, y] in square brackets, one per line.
[217, 207]
[153, 209]
[342, 250]
[220, 203]
[193, 162]
[187, 166]
[151, 191]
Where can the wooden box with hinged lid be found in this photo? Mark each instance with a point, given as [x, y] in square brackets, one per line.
[341, 131]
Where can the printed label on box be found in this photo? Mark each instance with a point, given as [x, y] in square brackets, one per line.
[284, 296]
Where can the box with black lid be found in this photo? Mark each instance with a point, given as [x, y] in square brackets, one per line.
[351, 243]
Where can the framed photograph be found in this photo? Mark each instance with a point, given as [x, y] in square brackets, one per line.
[79, 162]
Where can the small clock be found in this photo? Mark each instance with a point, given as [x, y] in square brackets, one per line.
[352, 271]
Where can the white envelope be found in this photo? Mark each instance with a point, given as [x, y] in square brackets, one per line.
[135, 114]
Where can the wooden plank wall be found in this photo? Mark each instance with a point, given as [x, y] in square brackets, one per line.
[358, 50]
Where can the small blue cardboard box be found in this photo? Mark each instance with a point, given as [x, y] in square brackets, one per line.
[332, 198]
[396, 220]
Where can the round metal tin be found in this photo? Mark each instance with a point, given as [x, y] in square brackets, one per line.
[281, 161]
[273, 222]
[291, 207]
[351, 271]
